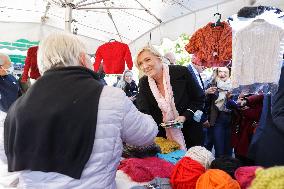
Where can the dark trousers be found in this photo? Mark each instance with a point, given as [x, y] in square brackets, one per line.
[193, 134]
[222, 135]
[208, 138]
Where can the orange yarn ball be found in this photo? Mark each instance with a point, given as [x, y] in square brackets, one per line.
[216, 179]
[186, 173]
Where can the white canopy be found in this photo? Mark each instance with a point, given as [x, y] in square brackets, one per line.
[133, 22]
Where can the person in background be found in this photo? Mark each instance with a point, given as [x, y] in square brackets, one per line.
[67, 131]
[118, 78]
[247, 115]
[101, 73]
[196, 70]
[167, 93]
[170, 57]
[9, 86]
[219, 116]
[128, 85]
[267, 148]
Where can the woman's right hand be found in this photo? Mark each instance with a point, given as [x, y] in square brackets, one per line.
[132, 98]
[210, 90]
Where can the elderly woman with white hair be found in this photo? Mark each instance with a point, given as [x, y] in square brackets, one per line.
[169, 93]
[67, 130]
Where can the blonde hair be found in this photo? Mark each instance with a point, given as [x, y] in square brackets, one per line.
[59, 50]
[149, 48]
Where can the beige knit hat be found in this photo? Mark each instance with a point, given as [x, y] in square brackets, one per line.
[201, 155]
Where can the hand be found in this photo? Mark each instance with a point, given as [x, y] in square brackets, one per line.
[181, 119]
[206, 124]
[211, 90]
[229, 95]
[132, 98]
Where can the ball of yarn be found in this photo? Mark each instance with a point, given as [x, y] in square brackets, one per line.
[166, 145]
[245, 175]
[227, 164]
[186, 173]
[216, 179]
[271, 178]
[201, 155]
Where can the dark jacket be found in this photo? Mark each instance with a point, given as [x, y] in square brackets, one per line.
[187, 94]
[9, 91]
[131, 89]
[268, 149]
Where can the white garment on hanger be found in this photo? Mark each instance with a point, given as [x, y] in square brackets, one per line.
[257, 54]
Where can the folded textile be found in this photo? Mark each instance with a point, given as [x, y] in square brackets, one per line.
[146, 169]
[172, 157]
[130, 151]
[123, 181]
[166, 145]
[157, 183]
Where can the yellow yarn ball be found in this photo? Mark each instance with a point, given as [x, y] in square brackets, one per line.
[271, 178]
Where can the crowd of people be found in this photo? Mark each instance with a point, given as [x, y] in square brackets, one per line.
[69, 129]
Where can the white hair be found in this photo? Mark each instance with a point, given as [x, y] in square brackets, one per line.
[6, 58]
[59, 50]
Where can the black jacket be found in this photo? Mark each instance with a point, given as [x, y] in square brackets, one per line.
[131, 89]
[187, 94]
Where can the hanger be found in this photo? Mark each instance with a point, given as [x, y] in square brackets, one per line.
[259, 20]
[218, 22]
[111, 40]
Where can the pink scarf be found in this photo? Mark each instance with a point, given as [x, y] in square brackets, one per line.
[167, 106]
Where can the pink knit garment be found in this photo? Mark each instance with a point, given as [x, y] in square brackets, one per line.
[167, 106]
[146, 169]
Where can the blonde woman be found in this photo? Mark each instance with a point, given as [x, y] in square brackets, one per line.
[169, 92]
[128, 85]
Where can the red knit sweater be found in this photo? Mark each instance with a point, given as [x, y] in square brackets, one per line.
[114, 55]
[31, 65]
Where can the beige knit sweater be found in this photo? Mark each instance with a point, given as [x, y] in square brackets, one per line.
[257, 54]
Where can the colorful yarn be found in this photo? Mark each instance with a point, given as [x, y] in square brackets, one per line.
[271, 178]
[200, 154]
[145, 170]
[216, 179]
[245, 175]
[166, 145]
[227, 164]
[172, 157]
[186, 173]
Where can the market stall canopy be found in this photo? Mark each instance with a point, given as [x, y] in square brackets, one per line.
[134, 22]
